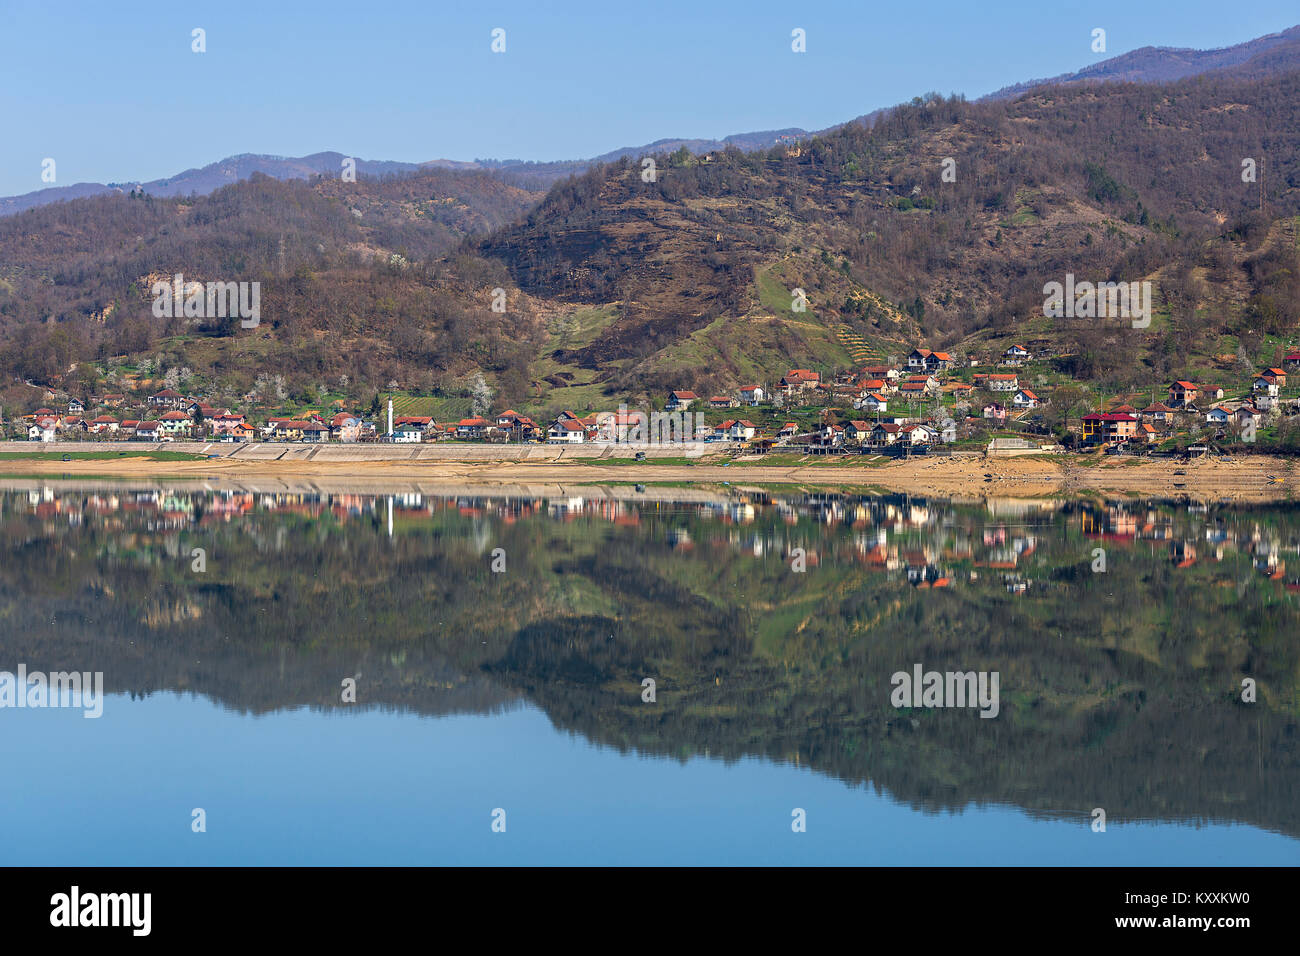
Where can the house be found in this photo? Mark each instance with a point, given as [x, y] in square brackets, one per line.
[288, 429]
[883, 434]
[129, 425]
[995, 412]
[737, 429]
[43, 429]
[1016, 355]
[75, 407]
[243, 432]
[1270, 381]
[960, 390]
[874, 402]
[1247, 415]
[722, 401]
[103, 424]
[1003, 383]
[913, 391]
[923, 360]
[225, 423]
[788, 430]
[1291, 361]
[516, 425]
[1210, 393]
[929, 381]
[175, 423]
[1158, 413]
[268, 430]
[408, 433]
[568, 431]
[800, 380]
[920, 434]
[424, 423]
[472, 428]
[112, 400]
[1181, 393]
[830, 436]
[167, 398]
[148, 431]
[1147, 433]
[887, 372]
[752, 395]
[313, 431]
[858, 432]
[1025, 399]
[1110, 427]
[679, 400]
[1218, 416]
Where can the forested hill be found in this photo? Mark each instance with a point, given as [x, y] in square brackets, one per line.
[938, 225]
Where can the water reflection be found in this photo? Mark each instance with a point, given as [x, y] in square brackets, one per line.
[1122, 631]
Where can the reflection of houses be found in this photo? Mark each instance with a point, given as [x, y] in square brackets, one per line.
[1182, 553]
[927, 575]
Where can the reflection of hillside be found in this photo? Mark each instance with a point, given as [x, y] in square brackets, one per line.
[1117, 688]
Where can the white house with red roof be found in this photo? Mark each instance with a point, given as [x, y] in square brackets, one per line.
[1025, 399]
[566, 431]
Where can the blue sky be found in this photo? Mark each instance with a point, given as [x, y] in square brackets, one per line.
[113, 92]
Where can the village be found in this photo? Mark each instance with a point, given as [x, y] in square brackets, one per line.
[925, 403]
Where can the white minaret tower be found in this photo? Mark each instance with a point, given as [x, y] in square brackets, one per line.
[390, 416]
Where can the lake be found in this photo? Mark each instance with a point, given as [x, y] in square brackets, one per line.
[627, 676]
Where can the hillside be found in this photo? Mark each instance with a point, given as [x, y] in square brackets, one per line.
[622, 285]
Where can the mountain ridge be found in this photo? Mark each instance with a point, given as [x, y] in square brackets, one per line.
[1270, 54]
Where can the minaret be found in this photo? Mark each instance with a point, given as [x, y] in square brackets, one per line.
[390, 417]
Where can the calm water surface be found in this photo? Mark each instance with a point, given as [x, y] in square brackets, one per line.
[521, 689]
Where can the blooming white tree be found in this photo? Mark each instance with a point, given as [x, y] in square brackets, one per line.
[482, 394]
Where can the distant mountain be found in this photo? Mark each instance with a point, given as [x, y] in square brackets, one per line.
[208, 178]
[1255, 59]
[530, 175]
[1263, 57]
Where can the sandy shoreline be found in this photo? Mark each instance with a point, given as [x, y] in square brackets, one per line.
[1244, 479]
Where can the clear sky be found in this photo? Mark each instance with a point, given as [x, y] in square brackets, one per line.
[113, 92]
